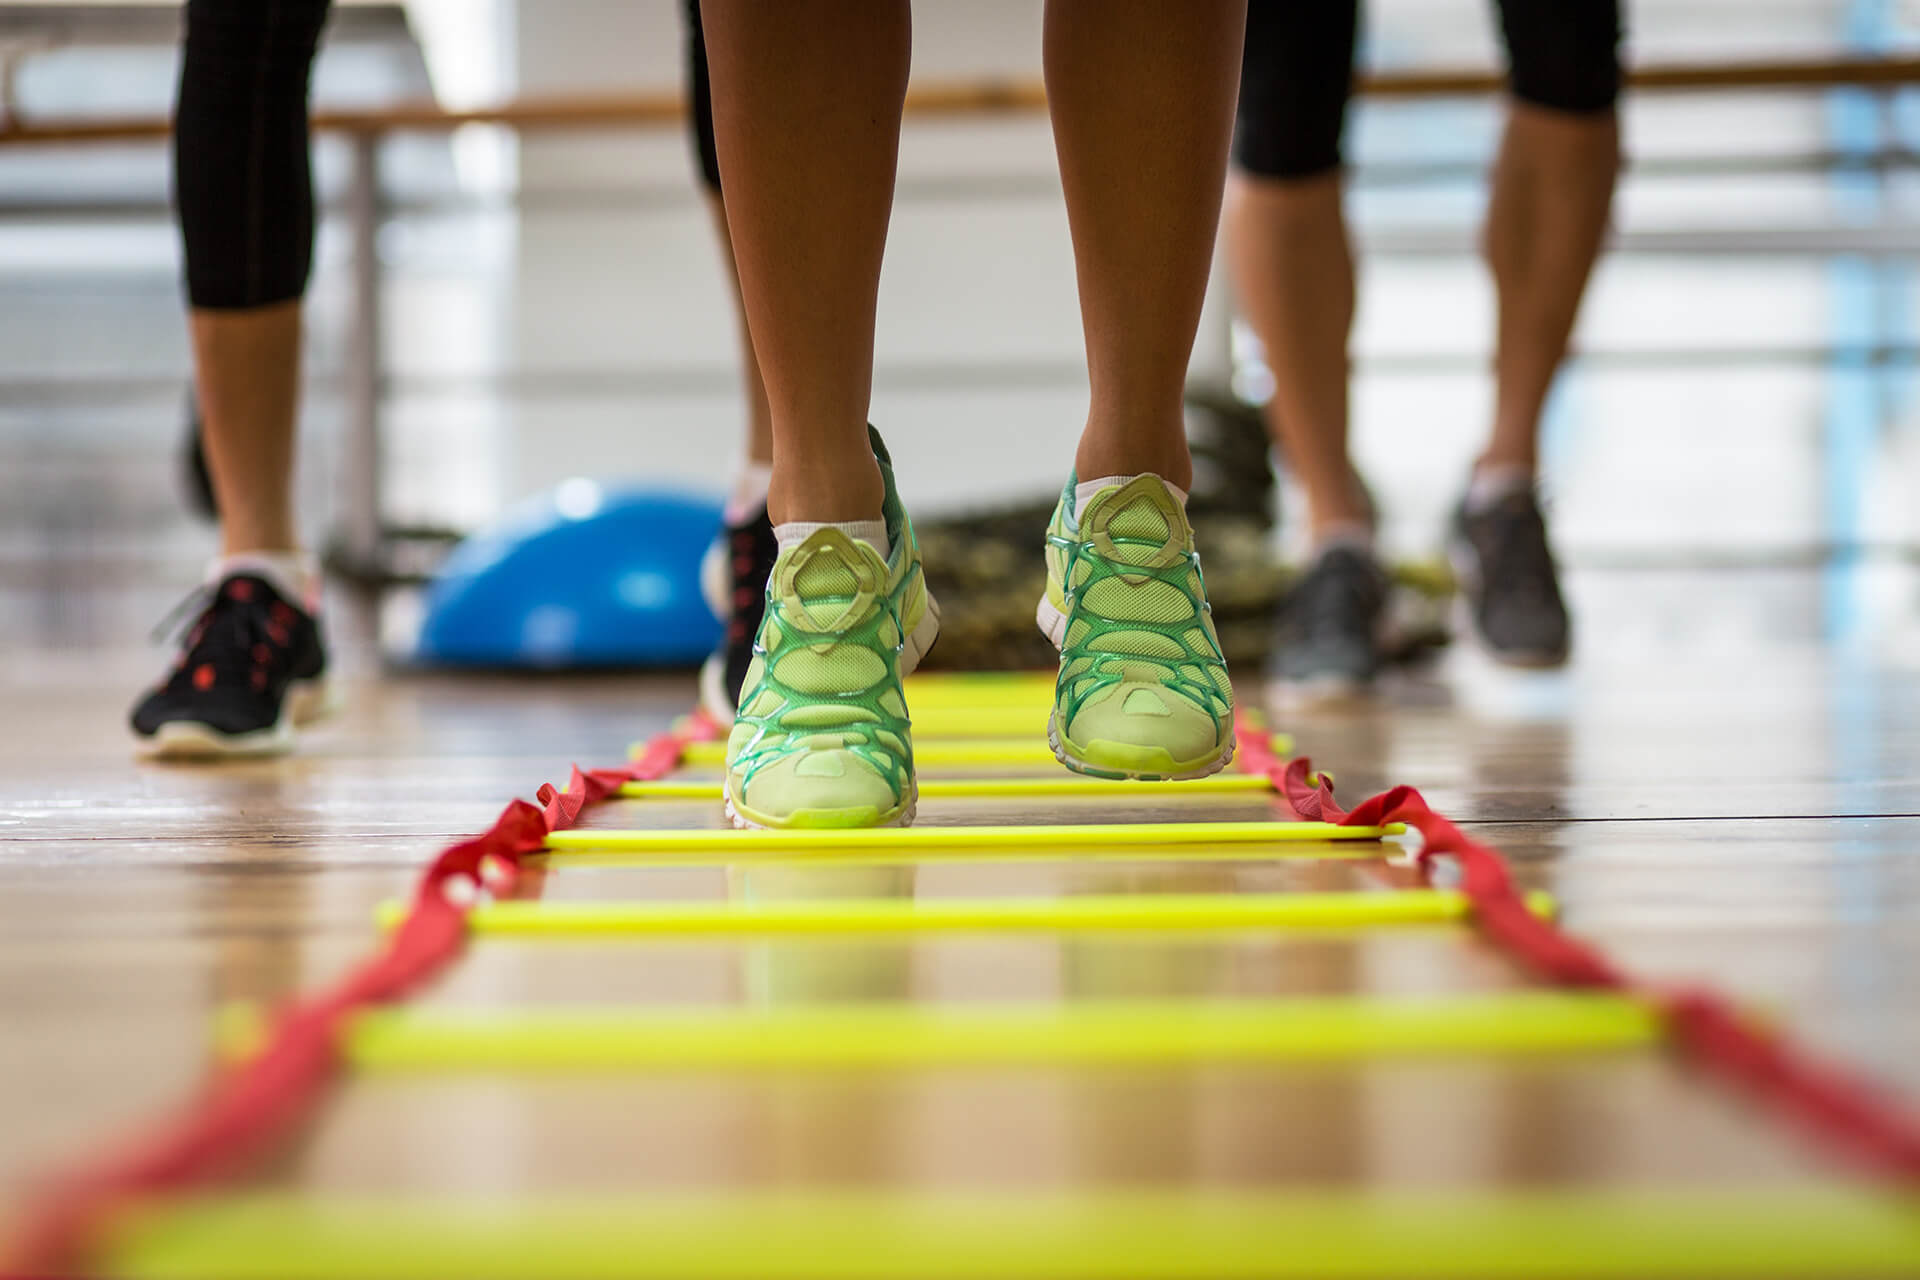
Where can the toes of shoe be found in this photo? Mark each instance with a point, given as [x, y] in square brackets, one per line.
[1516, 631]
[1148, 715]
[826, 787]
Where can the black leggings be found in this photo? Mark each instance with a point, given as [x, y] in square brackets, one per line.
[241, 171]
[242, 166]
[700, 100]
[1297, 73]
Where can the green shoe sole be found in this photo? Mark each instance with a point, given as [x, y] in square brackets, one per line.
[901, 815]
[1130, 762]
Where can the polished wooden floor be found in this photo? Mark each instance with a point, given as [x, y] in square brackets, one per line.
[1725, 788]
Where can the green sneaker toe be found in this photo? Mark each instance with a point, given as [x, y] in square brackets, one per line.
[1143, 689]
[821, 737]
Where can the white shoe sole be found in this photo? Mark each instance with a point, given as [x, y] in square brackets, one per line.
[1052, 622]
[713, 691]
[716, 584]
[307, 702]
[922, 639]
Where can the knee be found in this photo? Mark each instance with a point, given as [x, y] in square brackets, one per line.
[1296, 74]
[1564, 54]
[1275, 148]
[1290, 121]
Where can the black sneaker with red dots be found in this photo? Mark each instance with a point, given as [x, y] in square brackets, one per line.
[734, 579]
[251, 669]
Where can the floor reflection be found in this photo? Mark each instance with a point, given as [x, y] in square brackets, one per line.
[825, 1127]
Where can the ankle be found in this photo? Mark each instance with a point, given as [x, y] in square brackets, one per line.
[834, 494]
[792, 533]
[1494, 478]
[294, 574]
[1333, 535]
[1085, 489]
[240, 539]
[1511, 450]
[1341, 504]
[1111, 451]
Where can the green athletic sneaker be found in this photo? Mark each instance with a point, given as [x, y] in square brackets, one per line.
[821, 738]
[1143, 690]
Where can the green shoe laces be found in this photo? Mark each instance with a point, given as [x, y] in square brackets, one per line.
[869, 720]
[1091, 662]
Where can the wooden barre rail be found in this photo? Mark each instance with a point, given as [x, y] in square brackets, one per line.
[974, 98]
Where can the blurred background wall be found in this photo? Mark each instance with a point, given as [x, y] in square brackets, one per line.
[555, 307]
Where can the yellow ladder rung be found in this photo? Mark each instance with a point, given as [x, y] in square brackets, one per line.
[1216, 1232]
[935, 752]
[1077, 835]
[1067, 784]
[981, 688]
[891, 1036]
[899, 855]
[1167, 912]
[961, 720]
[1646, 1232]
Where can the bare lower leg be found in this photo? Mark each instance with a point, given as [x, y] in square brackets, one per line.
[1293, 271]
[759, 417]
[1552, 189]
[807, 99]
[247, 372]
[1141, 93]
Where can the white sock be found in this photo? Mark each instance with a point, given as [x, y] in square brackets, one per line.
[294, 574]
[1084, 491]
[749, 492]
[871, 532]
[1355, 535]
[1489, 484]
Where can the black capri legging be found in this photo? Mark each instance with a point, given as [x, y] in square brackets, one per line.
[700, 100]
[1297, 73]
[242, 159]
[242, 176]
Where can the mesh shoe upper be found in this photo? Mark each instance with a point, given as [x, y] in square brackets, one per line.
[241, 655]
[1329, 621]
[822, 736]
[1140, 663]
[1512, 581]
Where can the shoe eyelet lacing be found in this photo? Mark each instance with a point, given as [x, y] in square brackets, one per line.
[859, 736]
[1516, 555]
[1327, 604]
[232, 639]
[1106, 668]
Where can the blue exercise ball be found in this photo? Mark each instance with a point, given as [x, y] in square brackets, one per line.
[589, 575]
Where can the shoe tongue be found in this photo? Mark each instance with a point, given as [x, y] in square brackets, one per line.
[825, 576]
[827, 583]
[1139, 530]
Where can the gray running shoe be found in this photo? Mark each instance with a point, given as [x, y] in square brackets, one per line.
[1326, 635]
[1507, 573]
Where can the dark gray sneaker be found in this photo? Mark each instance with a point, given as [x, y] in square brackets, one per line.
[1508, 576]
[1326, 635]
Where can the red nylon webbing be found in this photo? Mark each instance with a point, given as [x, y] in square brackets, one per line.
[1851, 1113]
[245, 1110]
